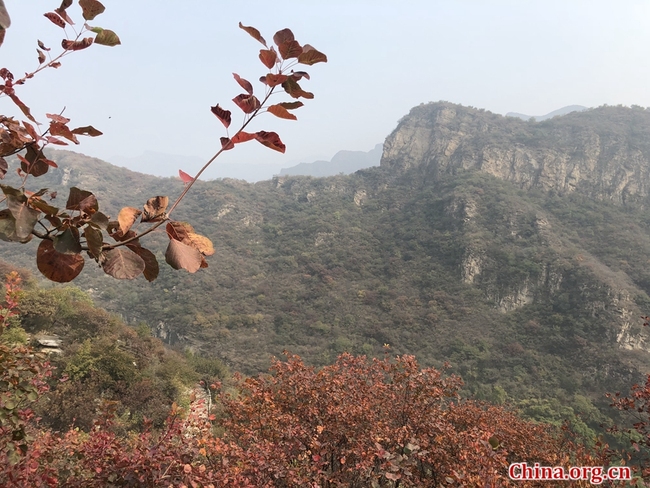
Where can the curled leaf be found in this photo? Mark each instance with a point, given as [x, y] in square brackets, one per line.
[245, 84]
[222, 115]
[55, 19]
[127, 217]
[154, 209]
[271, 140]
[248, 103]
[255, 34]
[226, 143]
[69, 45]
[107, 38]
[184, 176]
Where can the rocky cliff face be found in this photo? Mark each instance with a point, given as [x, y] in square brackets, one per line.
[603, 153]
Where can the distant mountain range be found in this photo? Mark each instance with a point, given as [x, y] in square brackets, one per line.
[165, 165]
[538, 118]
[343, 162]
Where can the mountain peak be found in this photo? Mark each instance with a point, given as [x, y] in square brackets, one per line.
[603, 153]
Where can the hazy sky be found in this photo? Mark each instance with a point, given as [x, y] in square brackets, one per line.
[154, 92]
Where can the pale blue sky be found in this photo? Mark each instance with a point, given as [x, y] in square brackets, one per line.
[177, 59]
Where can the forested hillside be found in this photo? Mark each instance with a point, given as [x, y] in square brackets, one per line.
[533, 293]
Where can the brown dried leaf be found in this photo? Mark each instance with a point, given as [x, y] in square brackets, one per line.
[127, 217]
[201, 243]
[154, 209]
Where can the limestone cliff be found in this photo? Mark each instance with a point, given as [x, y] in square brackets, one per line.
[603, 153]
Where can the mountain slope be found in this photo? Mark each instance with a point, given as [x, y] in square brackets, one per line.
[480, 240]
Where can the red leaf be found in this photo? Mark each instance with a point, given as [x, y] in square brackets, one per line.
[55, 19]
[226, 143]
[268, 57]
[184, 176]
[222, 115]
[282, 36]
[290, 49]
[31, 131]
[248, 103]
[58, 118]
[55, 140]
[23, 108]
[280, 111]
[242, 136]
[59, 129]
[253, 32]
[245, 84]
[42, 46]
[271, 140]
[311, 56]
[41, 56]
[69, 45]
[64, 15]
[298, 75]
[274, 80]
